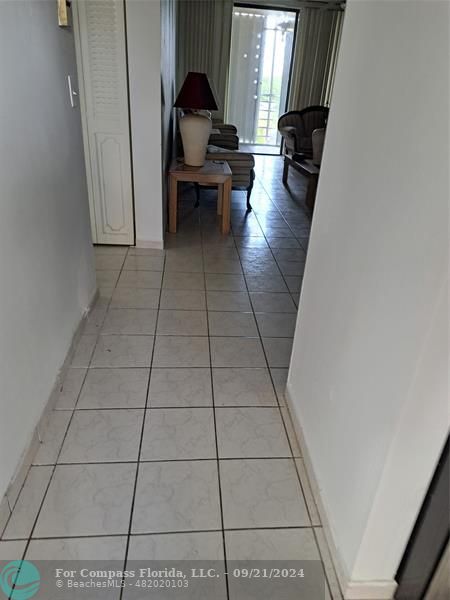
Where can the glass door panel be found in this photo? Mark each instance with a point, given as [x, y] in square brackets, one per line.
[260, 62]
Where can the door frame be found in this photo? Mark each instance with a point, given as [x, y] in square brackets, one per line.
[296, 11]
[429, 537]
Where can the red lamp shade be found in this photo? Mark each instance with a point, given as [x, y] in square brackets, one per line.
[196, 93]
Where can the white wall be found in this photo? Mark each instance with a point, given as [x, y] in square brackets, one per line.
[144, 65]
[368, 378]
[46, 258]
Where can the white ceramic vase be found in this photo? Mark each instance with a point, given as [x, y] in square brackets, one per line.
[195, 130]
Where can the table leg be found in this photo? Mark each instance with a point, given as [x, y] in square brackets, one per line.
[173, 201]
[226, 206]
[285, 170]
[311, 192]
[219, 198]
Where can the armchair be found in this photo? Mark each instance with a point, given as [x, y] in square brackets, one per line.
[242, 168]
[297, 127]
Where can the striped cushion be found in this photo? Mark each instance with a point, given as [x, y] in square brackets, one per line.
[241, 164]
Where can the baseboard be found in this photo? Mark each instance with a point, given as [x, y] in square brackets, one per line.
[150, 244]
[370, 590]
[9, 500]
[351, 590]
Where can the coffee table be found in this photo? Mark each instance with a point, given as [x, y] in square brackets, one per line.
[212, 173]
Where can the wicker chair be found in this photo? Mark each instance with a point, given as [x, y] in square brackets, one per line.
[297, 126]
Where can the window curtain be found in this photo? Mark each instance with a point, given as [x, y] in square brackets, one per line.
[315, 57]
[203, 42]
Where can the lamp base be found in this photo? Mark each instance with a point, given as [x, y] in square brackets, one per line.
[195, 130]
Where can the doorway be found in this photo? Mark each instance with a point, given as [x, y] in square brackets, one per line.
[262, 41]
[100, 43]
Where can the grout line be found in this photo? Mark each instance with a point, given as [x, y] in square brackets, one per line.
[163, 460]
[219, 480]
[144, 419]
[170, 532]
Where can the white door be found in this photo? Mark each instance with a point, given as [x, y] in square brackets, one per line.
[102, 73]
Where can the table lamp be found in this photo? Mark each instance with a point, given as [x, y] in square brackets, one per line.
[195, 127]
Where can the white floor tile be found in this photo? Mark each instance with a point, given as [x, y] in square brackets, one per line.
[130, 321]
[272, 302]
[262, 493]
[108, 277]
[237, 352]
[143, 263]
[114, 388]
[140, 279]
[177, 496]
[28, 504]
[251, 433]
[225, 282]
[109, 261]
[51, 436]
[181, 351]
[206, 545]
[135, 298]
[184, 281]
[278, 351]
[78, 549]
[279, 377]
[228, 301]
[232, 324]
[266, 283]
[182, 322]
[87, 500]
[271, 544]
[180, 387]
[123, 351]
[13, 550]
[243, 387]
[183, 299]
[179, 434]
[84, 350]
[276, 324]
[103, 436]
[70, 389]
[291, 432]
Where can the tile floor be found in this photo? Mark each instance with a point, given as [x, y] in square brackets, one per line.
[171, 436]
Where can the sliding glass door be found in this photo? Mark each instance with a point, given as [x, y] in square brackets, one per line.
[260, 64]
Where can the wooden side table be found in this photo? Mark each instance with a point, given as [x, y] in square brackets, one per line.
[309, 170]
[212, 173]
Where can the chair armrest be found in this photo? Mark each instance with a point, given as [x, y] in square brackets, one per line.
[288, 131]
[230, 141]
[224, 127]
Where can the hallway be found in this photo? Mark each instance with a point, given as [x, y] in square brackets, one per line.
[171, 437]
